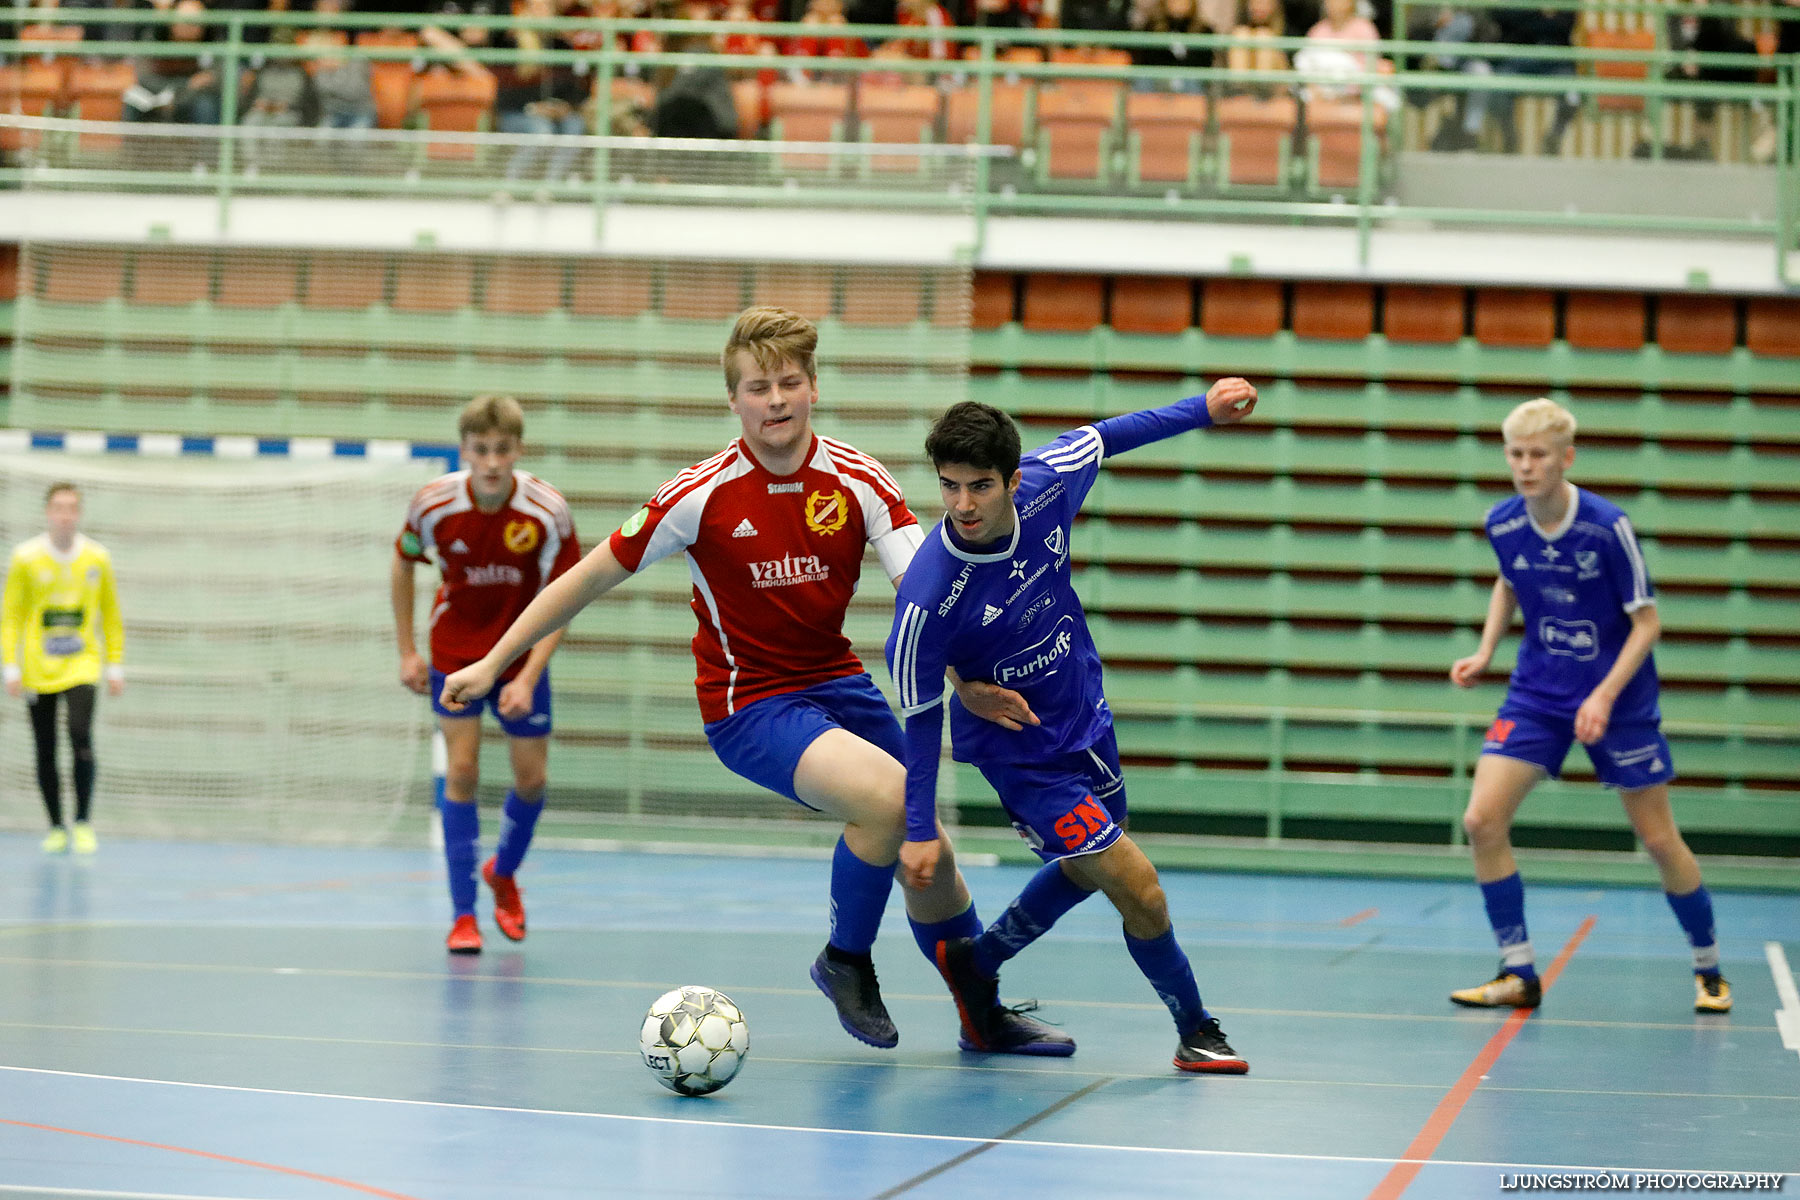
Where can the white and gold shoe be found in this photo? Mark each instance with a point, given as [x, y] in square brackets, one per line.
[1711, 994]
[1505, 990]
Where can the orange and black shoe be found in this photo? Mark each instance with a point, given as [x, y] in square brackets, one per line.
[465, 936]
[1207, 1052]
[509, 905]
[1711, 993]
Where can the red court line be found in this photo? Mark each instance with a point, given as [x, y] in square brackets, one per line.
[1450, 1107]
[363, 1188]
[1359, 918]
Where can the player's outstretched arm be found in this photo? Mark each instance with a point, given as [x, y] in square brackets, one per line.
[549, 610]
[1226, 402]
[1501, 605]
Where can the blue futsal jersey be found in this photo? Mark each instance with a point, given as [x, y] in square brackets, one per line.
[1007, 614]
[1577, 586]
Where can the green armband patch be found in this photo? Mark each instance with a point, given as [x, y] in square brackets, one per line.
[410, 544]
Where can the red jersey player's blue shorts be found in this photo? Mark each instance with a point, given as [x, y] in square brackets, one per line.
[1066, 805]
[534, 724]
[1631, 755]
[763, 741]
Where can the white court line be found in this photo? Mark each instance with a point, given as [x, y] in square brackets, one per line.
[1787, 1017]
[19, 1189]
[852, 1133]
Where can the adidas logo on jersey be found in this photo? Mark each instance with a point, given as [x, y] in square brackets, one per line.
[457, 547]
[744, 529]
[990, 614]
[1521, 563]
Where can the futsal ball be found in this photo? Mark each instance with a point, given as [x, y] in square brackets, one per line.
[694, 1040]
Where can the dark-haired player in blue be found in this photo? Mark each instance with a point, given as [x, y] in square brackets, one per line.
[1571, 562]
[988, 595]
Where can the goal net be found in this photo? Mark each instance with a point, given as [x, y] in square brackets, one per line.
[261, 701]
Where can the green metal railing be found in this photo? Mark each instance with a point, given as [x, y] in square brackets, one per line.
[995, 186]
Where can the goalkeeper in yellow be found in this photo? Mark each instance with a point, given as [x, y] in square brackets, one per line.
[60, 606]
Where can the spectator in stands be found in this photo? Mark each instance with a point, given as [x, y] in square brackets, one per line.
[821, 45]
[693, 102]
[176, 80]
[1257, 21]
[99, 29]
[1527, 27]
[1101, 15]
[998, 14]
[1331, 50]
[742, 43]
[1177, 18]
[924, 14]
[539, 97]
[1461, 130]
[279, 95]
[1690, 34]
[346, 94]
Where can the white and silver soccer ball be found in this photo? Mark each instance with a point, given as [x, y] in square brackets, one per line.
[694, 1040]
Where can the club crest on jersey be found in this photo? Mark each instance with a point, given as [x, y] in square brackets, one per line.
[1588, 563]
[521, 537]
[1056, 543]
[827, 512]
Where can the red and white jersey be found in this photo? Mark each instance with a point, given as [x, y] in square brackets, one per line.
[775, 559]
[493, 563]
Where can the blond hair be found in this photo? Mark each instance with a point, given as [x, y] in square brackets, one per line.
[491, 414]
[772, 336]
[1543, 416]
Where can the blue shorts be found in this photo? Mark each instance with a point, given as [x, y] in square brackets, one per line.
[1632, 754]
[534, 724]
[1066, 805]
[763, 741]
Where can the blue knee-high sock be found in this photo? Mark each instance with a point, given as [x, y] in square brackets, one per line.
[1049, 894]
[1166, 967]
[1695, 913]
[964, 924]
[1505, 900]
[859, 893]
[518, 820]
[462, 829]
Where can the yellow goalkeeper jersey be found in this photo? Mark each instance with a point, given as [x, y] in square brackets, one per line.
[58, 609]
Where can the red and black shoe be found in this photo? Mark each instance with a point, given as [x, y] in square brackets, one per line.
[465, 936]
[1206, 1051]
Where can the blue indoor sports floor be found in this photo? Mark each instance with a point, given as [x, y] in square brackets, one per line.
[201, 1021]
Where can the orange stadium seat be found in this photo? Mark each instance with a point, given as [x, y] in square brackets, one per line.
[32, 89]
[905, 114]
[1335, 128]
[1423, 313]
[1063, 303]
[993, 300]
[1167, 131]
[1075, 131]
[1154, 304]
[54, 35]
[1604, 320]
[697, 290]
[1257, 134]
[1613, 39]
[523, 286]
[1696, 324]
[808, 112]
[391, 79]
[9, 272]
[171, 277]
[251, 280]
[454, 102]
[345, 280]
[877, 296]
[1520, 317]
[1772, 326]
[804, 288]
[1006, 122]
[433, 283]
[1341, 312]
[1240, 308]
[97, 93]
[86, 276]
[609, 287]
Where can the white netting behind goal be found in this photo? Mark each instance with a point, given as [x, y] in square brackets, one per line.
[261, 701]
